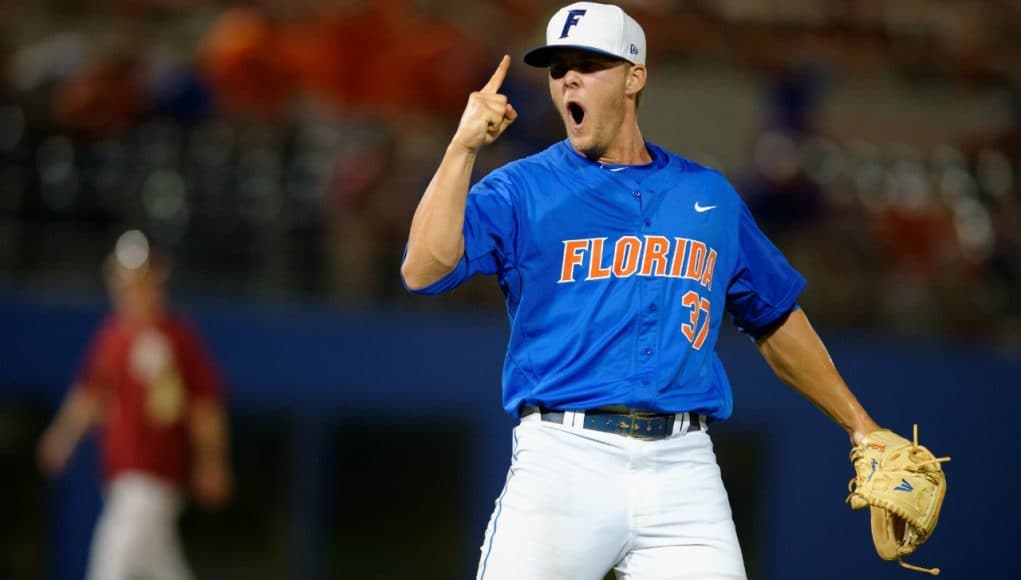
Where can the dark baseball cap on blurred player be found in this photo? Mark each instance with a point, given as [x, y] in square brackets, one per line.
[601, 28]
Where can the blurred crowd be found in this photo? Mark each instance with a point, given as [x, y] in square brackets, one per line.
[923, 242]
[279, 148]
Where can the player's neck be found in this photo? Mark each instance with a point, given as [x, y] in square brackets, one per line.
[143, 318]
[628, 148]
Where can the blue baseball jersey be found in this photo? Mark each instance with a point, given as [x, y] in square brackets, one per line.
[617, 278]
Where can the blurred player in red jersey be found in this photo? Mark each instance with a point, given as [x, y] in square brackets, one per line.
[155, 393]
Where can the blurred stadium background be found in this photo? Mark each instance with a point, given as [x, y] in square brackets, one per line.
[278, 148]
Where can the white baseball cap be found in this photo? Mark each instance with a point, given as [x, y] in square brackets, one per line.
[602, 28]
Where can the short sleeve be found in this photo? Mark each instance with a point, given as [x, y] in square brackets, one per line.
[97, 370]
[764, 287]
[490, 233]
[201, 376]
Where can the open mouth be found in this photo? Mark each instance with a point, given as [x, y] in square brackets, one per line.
[576, 111]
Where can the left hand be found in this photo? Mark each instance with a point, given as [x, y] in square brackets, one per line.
[212, 483]
[865, 427]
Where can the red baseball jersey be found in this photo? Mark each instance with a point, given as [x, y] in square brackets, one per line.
[148, 377]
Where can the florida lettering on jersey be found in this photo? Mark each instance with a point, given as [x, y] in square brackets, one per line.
[654, 255]
[649, 255]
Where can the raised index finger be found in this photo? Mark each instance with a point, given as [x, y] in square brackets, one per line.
[496, 80]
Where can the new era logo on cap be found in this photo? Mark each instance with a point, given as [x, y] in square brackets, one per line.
[602, 28]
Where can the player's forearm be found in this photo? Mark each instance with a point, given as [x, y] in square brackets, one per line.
[79, 412]
[436, 239]
[208, 427]
[798, 357]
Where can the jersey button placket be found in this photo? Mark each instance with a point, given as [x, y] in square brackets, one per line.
[648, 317]
[647, 346]
[644, 366]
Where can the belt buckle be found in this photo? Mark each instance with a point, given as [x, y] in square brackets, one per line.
[635, 416]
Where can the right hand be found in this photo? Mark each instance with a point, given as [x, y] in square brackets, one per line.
[53, 453]
[487, 114]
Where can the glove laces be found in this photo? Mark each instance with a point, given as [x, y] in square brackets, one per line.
[917, 452]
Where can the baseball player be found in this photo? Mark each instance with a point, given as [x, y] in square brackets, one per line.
[157, 396]
[618, 261]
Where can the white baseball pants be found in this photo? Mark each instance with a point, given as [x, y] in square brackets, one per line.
[579, 502]
[137, 536]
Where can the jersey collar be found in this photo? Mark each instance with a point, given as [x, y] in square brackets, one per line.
[659, 158]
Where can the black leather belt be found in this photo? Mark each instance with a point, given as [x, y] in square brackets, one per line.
[626, 422]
